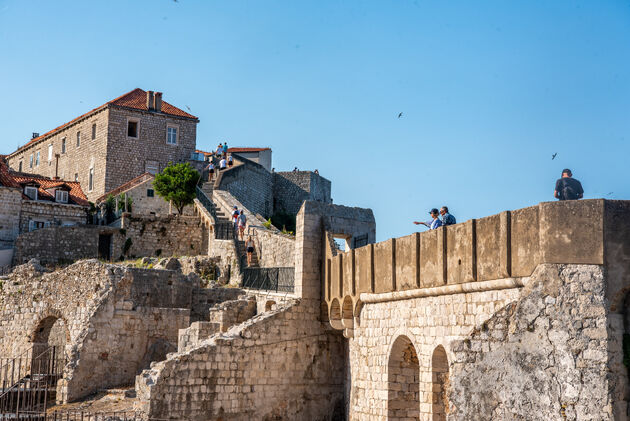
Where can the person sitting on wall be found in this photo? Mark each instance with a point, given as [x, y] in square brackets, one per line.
[434, 223]
[447, 218]
[567, 187]
[230, 161]
[222, 164]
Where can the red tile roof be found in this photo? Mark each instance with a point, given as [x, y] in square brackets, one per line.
[5, 177]
[128, 185]
[75, 194]
[136, 99]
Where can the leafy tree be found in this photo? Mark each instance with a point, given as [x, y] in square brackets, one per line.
[121, 202]
[177, 183]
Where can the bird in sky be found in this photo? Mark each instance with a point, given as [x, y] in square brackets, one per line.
[554, 156]
[188, 107]
[400, 115]
[609, 194]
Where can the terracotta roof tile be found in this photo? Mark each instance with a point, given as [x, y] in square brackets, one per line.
[136, 99]
[128, 185]
[75, 194]
[5, 177]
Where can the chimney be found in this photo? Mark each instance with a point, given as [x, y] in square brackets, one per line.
[35, 135]
[150, 101]
[158, 101]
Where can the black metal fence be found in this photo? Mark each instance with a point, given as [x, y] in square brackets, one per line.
[70, 415]
[270, 279]
[222, 230]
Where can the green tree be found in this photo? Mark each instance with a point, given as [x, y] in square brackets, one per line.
[177, 183]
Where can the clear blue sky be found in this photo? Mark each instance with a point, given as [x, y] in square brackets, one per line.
[489, 90]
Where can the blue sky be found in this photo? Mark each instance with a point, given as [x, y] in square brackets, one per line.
[489, 90]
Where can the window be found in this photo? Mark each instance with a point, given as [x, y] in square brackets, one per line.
[132, 129]
[76, 176]
[78, 139]
[150, 193]
[35, 225]
[91, 180]
[93, 131]
[20, 167]
[31, 161]
[50, 153]
[63, 145]
[152, 167]
[171, 135]
[61, 196]
[31, 192]
[37, 159]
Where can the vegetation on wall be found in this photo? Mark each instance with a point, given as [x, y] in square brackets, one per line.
[284, 221]
[177, 183]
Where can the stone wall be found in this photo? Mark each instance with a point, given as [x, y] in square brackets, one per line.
[128, 157]
[10, 206]
[76, 162]
[274, 249]
[291, 189]
[51, 213]
[118, 319]
[250, 184]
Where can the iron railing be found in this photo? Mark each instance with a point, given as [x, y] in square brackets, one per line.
[29, 380]
[269, 279]
[222, 230]
[76, 415]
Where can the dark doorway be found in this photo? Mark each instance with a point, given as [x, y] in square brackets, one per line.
[105, 246]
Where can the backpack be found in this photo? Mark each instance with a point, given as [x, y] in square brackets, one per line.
[568, 193]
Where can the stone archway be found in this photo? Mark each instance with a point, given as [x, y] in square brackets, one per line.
[49, 339]
[403, 381]
[440, 383]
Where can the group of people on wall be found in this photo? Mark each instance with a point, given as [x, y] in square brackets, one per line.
[567, 188]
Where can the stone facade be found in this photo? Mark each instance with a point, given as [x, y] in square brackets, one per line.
[145, 200]
[51, 214]
[11, 204]
[251, 184]
[98, 142]
[291, 189]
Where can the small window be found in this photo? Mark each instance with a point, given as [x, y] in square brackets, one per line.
[150, 193]
[20, 166]
[31, 161]
[171, 135]
[61, 196]
[50, 152]
[35, 225]
[37, 159]
[31, 192]
[63, 145]
[132, 129]
[76, 176]
[78, 139]
[93, 131]
[91, 180]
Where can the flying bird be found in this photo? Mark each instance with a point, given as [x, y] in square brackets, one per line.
[188, 107]
[554, 156]
[610, 194]
[400, 115]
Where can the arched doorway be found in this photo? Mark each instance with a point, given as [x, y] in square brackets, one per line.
[49, 344]
[403, 381]
[439, 368]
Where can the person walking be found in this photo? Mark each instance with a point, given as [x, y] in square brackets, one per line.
[447, 218]
[210, 169]
[242, 222]
[435, 221]
[230, 161]
[235, 214]
[250, 250]
[225, 149]
[222, 164]
[219, 150]
[567, 187]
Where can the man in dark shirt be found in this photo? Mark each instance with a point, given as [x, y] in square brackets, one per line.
[447, 218]
[567, 187]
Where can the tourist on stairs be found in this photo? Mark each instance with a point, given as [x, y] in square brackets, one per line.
[250, 250]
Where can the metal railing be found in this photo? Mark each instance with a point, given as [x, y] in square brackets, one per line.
[222, 230]
[29, 380]
[269, 279]
[76, 415]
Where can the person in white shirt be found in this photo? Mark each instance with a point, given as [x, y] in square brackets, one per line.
[230, 160]
[222, 164]
[210, 169]
[235, 214]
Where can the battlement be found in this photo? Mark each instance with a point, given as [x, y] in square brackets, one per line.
[507, 245]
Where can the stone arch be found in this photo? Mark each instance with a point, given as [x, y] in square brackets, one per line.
[347, 313]
[335, 314]
[403, 381]
[440, 384]
[49, 339]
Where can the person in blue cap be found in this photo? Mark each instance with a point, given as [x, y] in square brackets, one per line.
[435, 221]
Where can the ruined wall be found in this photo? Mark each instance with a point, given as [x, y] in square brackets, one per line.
[53, 213]
[279, 365]
[118, 319]
[291, 189]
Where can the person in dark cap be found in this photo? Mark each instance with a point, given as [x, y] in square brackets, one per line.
[434, 223]
[567, 187]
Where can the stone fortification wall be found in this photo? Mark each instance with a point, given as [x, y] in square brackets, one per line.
[274, 249]
[117, 319]
[172, 235]
[291, 189]
[278, 365]
[509, 354]
[251, 184]
[52, 213]
[10, 203]
[499, 246]
[128, 157]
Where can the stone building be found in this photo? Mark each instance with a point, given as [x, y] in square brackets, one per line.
[135, 133]
[144, 200]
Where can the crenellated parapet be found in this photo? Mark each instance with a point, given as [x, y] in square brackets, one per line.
[491, 253]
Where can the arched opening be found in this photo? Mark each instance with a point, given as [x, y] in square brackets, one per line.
[439, 368]
[335, 314]
[347, 316]
[49, 345]
[403, 381]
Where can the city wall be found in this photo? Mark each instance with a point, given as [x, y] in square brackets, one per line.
[292, 188]
[250, 183]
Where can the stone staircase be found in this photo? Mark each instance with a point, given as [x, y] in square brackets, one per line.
[242, 252]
